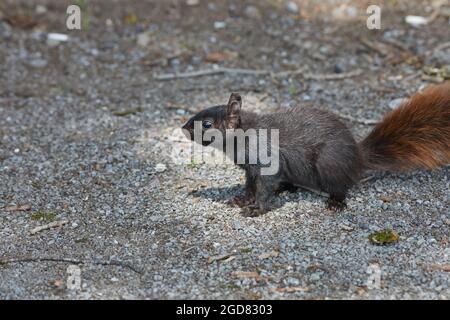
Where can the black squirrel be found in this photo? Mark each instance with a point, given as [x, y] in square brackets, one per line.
[318, 151]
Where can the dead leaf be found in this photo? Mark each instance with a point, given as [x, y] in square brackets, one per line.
[57, 283]
[219, 258]
[269, 254]
[215, 57]
[386, 199]
[249, 274]
[123, 113]
[315, 267]
[21, 20]
[245, 274]
[441, 267]
[229, 259]
[361, 290]
[347, 228]
[381, 48]
[131, 18]
[290, 289]
[254, 295]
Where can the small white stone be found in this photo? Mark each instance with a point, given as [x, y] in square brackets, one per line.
[37, 63]
[143, 39]
[315, 277]
[160, 167]
[219, 24]
[40, 9]
[95, 52]
[292, 7]
[396, 102]
[252, 12]
[416, 21]
[58, 37]
[345, 13]
[54, 39]
[192, 2]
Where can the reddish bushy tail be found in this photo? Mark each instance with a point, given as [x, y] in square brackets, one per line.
[414, 135]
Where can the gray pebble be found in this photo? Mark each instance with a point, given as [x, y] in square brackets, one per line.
[252, 12]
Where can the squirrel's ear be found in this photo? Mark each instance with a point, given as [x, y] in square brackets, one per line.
[233, 110]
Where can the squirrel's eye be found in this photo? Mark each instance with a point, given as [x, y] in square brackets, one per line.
[207, 124]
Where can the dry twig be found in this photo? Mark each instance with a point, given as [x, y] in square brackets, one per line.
[16, 207]
[367, 179]
[333, 76]
[290, 289]
[441, 267]
[50, 225]
[208, 72]
[69, 260]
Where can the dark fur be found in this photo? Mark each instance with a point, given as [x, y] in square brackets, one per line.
[318, 151]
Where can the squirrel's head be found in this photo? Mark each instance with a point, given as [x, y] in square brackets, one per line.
[218, 117]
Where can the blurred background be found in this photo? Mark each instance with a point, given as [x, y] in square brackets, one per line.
[132, 40]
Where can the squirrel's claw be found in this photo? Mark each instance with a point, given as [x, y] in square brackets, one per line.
[242, 201]
[336, 204]
[251, 211]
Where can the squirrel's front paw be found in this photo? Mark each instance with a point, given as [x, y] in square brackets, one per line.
[336, 204]
[252, 211]
[242, 201]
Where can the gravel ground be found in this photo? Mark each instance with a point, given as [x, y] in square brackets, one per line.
[86, 135]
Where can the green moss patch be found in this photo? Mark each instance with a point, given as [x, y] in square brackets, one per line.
[383, 237]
